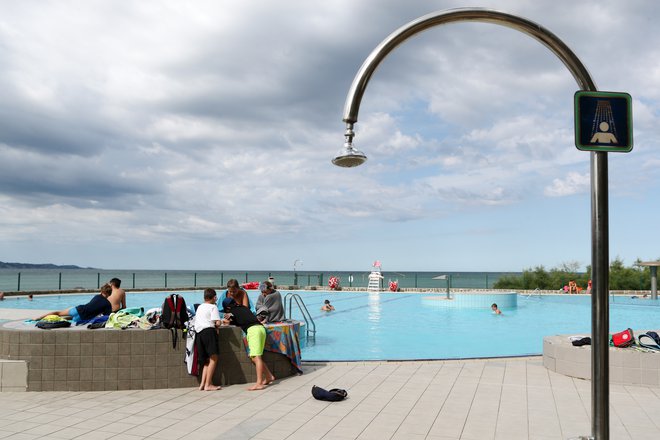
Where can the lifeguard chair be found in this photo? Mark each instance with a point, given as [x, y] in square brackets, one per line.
[375, 278]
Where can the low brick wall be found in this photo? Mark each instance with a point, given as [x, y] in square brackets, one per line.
[78, 359]
[627, 366]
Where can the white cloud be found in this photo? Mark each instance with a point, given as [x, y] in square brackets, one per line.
[573, 183]
[214, 122]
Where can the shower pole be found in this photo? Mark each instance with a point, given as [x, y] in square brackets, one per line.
[350, 157]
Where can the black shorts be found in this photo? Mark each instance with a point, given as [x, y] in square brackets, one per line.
[207, 344]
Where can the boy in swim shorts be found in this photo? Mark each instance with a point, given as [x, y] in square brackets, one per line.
[207, 320]
[242, 317]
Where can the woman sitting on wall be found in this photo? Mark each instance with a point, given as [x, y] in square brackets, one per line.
[235, 291]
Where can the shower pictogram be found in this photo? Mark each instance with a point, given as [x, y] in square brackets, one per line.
[603, 121]
[603, 130]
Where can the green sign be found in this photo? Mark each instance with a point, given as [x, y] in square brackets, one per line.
[603, 121]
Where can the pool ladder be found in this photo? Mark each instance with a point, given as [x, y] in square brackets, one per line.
[310, 326]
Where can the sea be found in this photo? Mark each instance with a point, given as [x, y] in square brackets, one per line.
[28, 280]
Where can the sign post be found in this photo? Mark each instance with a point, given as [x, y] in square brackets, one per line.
[603, 121]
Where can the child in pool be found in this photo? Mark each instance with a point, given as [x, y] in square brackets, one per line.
[327, 307]
[495, 310]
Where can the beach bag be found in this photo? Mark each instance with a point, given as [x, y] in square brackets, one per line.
[98, 322]
[623, 339]
[333, 395]
[45, 325]
[174, 315]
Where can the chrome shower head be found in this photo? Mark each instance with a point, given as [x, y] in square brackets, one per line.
[349, 156]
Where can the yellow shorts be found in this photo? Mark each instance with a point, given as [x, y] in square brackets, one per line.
[256, 337]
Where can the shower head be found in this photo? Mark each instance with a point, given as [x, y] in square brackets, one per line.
[349, 156]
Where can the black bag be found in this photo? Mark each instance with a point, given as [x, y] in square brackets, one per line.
[581, 342]
[48, 325]
[334, 395]
[174, 315]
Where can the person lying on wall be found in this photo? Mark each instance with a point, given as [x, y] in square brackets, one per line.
[98, 305]
[269, 304]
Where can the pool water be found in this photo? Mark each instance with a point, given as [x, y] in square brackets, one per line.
[401, 326]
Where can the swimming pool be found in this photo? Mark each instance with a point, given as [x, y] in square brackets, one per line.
[401, 326]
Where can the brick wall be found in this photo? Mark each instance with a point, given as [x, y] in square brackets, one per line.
[78, 359]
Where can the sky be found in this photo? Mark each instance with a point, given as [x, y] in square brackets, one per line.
[199, 135]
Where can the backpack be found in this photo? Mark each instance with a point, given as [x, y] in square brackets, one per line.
[174, 315]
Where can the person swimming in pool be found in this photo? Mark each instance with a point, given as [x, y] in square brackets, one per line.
[495, 310]
[327, 307]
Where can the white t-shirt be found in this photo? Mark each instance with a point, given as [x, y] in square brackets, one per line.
[206, 314]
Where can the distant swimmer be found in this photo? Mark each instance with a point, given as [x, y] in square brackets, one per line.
[327, 307]
[495, 310]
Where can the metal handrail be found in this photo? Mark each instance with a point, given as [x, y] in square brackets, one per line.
[310, 326]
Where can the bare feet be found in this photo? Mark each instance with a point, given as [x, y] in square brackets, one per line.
[257, 387]
[269, 381]
[212, 388]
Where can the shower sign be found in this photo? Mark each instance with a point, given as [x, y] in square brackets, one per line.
[603, 121]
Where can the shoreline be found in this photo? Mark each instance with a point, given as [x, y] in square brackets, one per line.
[408, 290]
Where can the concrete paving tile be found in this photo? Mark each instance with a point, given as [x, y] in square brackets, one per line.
[69, 433]
[271, 434]
[21, 436]
[97, 435]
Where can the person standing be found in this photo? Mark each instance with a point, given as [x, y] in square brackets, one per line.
[207, 321]
[243, 317]
[118, 297]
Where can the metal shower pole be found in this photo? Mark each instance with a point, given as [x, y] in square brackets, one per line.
[599, 188]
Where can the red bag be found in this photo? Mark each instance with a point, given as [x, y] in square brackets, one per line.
[624, 338]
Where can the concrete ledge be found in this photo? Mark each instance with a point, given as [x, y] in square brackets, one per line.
[627, 366]
[13, 375]
[78, 359]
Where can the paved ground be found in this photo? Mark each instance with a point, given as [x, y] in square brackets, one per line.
[485, 399]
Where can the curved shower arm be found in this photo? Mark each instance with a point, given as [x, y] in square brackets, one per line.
[547, 38]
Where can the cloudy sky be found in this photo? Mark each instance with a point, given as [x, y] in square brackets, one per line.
[198, 135]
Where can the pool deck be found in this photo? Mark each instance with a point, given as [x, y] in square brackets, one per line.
[436, 400]
[515, 398]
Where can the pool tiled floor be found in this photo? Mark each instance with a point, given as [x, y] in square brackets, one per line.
[442, 400]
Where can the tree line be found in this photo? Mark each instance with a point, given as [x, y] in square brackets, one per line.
[622, 277]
